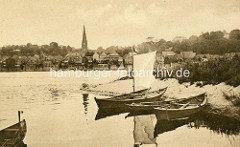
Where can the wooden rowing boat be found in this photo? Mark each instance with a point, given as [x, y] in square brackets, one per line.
[182, 108]
[149, 106]
[121, 101]
[13, 136]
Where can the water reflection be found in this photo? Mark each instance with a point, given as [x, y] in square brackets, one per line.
[216, 123]
[107, 112]
[143, 121]
[143, 132]
[137, 113]
[54, 93]
[85, 102]
[163, 126]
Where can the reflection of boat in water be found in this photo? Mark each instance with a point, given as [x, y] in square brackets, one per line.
[13, 136]
[216, 123]
[183, 108]
[121, 101]
[85, 102]
[164, 125]
[143, 132]
[103, 113]
[137, 113]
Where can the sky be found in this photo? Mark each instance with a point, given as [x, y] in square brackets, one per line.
[112, 22]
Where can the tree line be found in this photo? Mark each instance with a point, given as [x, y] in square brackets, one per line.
[53, 49]
[215, 42]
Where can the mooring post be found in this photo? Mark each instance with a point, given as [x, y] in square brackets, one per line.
[19, 116]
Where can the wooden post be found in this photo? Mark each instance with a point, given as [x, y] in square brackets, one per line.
[19, 125]
[19, 116]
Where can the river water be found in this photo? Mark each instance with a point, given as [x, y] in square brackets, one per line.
[58, 114]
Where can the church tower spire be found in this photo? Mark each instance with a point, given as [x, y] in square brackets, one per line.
[84, 39]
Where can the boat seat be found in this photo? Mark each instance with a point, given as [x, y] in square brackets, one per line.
[11, 130]
[9, 142]
[165, 106]
[188, 105]
[185, 105]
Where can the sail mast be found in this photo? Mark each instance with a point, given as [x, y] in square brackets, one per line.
[133, 72]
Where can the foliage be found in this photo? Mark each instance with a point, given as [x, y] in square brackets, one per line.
[212, 35]
[207, 43]
[235, 34]
[10, 63]
[123, 51]
[168, 60]
[30, 50]
[215, 71]
[233, 98]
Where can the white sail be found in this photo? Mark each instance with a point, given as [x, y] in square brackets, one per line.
[143, 68]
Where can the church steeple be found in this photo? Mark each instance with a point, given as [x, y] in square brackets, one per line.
[84, 39]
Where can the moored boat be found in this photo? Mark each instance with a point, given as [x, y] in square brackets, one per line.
[118, 101]
[149, 106]
[180, 109]
[142, 80]
[13, 136]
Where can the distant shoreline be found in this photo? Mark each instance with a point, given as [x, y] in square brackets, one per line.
[63, 70]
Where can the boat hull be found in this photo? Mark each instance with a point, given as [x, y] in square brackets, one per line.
[162, 114]
[111, 103]
[13, 136]
[114, 104]
[150, 106]
[184, 111]
[141, 108]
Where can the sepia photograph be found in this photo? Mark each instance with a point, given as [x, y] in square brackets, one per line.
[119, 73]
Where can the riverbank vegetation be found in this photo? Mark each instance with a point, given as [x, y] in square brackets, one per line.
[215, 71]
[233, 98]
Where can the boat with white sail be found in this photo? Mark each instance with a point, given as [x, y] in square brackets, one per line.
[143, 77]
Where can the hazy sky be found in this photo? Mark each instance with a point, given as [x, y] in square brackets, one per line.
[112, 22]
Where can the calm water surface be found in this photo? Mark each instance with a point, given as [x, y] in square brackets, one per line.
[59, 115]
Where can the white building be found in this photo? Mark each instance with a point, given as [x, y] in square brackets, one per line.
[187, 54]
